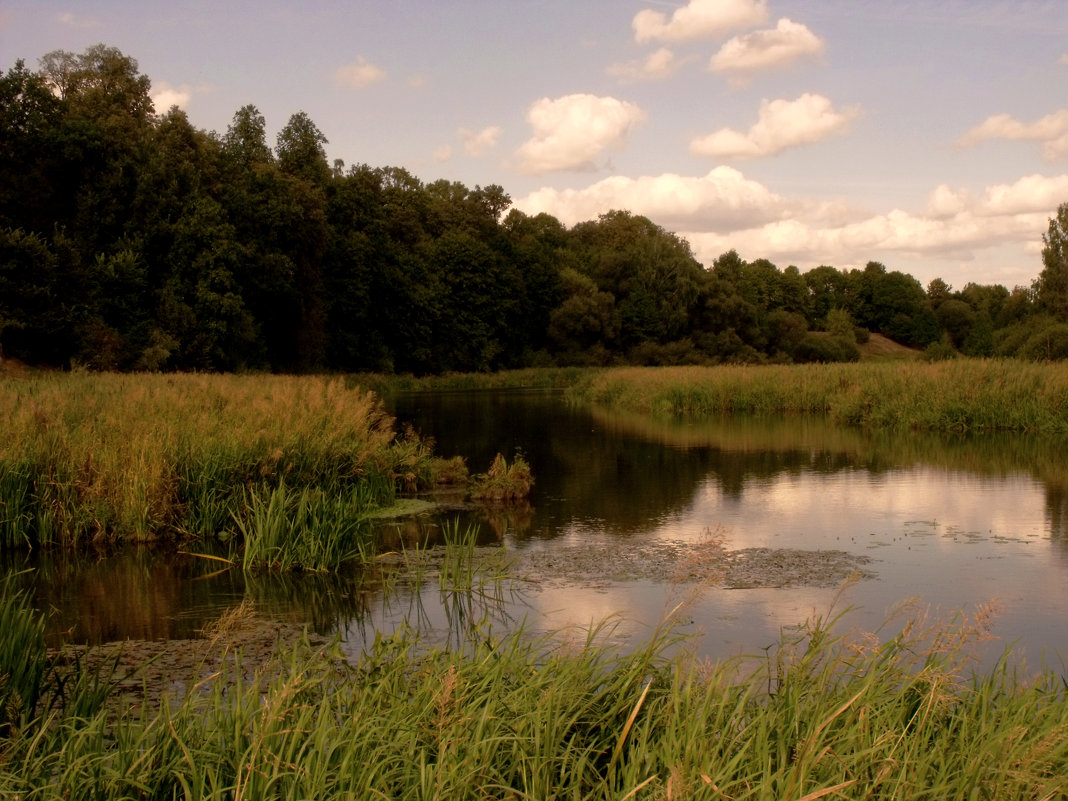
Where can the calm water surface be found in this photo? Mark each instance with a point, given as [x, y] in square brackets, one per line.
[950, 522]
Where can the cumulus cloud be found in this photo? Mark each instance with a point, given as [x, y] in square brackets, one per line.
[955, 222]
[570, 132]
[723, 210]
[164, 96]
[777, 47]
[661, 63]
[1032, 194]
[478, 142]
[358, 74]
[698, 19]
[781, 125]
[1051, 131]
[722, 199]
[442, 153]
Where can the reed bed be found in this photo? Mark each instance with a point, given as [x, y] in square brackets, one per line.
[135, 457]
[526, 378]
[960, 395]
[568, 716]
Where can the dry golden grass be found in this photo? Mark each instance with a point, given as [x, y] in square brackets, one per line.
[125, 456]
[880, 347]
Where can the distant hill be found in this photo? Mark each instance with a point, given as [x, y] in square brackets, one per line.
[879, 347]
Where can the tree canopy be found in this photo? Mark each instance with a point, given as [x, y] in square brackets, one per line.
[131, 240]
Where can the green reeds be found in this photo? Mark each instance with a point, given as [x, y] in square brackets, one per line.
[307, 529]
[824, 715]
[960, 395]
[22, 658]
[33, 686]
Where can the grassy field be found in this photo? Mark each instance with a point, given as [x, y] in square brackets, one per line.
[960, 395]
[566, 716]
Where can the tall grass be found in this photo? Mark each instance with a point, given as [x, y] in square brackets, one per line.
[136, 457]
[309, 529]
[528, 378]
[22, 663]
[959, 395]
[555, 717]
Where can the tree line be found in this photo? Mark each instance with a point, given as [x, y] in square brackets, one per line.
[131, 240]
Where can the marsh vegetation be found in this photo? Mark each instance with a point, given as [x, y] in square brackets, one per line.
[966, 395]
[499, 707]
[288, 470]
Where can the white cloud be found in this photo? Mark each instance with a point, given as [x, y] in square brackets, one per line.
[570, 132]
[661, 63]
[724, 199]
[778, 47]
[164, 96]
[478, 142]
[946, 202]
[1051, 131]
[1032, 194]
[442, 153]
[698, 19]
[358, 74]
[955, 223]
[782, 124]
[73, 21]
[1063, 59]
[724, 210]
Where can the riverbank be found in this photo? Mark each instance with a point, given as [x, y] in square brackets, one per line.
[961, 395]
[824, 714]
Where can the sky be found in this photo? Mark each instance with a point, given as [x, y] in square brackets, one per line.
[929, 136]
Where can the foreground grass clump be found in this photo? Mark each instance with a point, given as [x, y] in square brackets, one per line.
[555, 717]
[135, 457]
[503, 481]
[959, 395]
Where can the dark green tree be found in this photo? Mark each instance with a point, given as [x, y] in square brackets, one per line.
[300, 150]
[30, 115]
[245, 142]
[829, 288]
[584, 328]
[1052, 282]
[650, 273]
[938, 292]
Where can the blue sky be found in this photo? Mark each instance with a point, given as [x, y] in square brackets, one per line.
[930, 136]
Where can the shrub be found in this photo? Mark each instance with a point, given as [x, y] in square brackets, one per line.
[503, 481]
[1049, 344]
[940, 351]
[823, 348]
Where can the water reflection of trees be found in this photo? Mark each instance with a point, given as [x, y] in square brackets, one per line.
[1057, 515]
[764, 448]
[628, 470]
[138, 593]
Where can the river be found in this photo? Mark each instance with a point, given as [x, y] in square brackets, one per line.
[933, 524]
